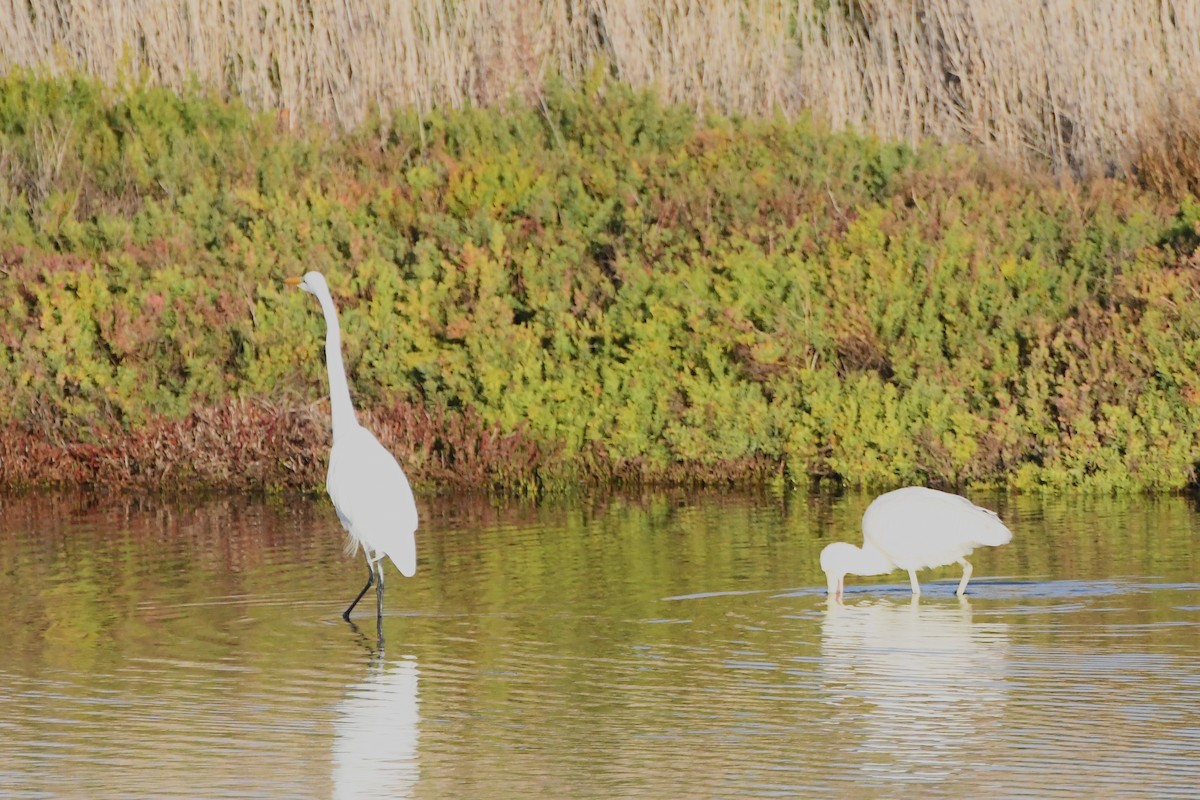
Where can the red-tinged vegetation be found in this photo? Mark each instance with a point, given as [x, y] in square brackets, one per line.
[248, 445]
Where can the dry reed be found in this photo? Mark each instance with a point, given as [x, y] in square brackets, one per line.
[1084, 85]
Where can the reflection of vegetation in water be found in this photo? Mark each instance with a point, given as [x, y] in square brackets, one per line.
[551, 638]
[1085, 538]
[604, 289]
[127, 573]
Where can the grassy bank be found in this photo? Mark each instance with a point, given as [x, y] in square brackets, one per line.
[604, 288]
[1089, 87]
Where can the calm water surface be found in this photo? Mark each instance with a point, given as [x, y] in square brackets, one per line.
[660, 646]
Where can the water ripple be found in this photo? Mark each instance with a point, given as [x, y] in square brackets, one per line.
[623, 648]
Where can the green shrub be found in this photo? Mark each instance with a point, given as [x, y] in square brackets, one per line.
[602, 288]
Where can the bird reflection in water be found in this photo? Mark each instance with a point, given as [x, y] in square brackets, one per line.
[915, 685]
[376, 732]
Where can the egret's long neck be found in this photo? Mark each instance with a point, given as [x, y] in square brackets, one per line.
[870, 561]
[339, 390]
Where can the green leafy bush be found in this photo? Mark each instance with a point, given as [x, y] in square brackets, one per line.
[598, 289]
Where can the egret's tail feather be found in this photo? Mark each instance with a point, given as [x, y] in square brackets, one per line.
[993, 532]
[405, 560]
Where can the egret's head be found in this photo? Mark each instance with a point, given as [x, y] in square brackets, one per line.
[836, 561]
[312, 282]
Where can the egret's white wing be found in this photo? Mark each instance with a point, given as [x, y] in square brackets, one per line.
[372, 497]
[918, 527]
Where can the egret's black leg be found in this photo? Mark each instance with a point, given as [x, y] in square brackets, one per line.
[379, 601]
[370, 580]
[379, 587]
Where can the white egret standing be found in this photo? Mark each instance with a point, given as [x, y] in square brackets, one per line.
[914, 528]
[367, 486]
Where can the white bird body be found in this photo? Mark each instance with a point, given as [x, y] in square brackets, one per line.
[911, 529]
[373, 499]
[369, 490]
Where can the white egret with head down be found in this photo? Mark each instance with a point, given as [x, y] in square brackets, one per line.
[914, 528]
[369, 490]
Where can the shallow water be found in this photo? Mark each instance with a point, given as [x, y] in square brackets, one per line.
[657, 646]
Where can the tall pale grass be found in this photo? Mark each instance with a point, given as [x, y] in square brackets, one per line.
[1084, 85]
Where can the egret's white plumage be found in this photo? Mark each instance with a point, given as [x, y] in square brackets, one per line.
[914, 528]
[367, 486]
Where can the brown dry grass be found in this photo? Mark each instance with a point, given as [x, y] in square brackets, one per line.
[1087, 86]
[249, 445]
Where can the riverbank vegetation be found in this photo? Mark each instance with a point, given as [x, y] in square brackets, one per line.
[596, 287]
